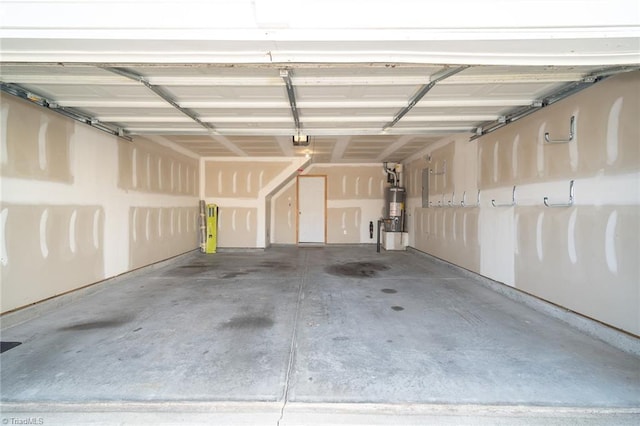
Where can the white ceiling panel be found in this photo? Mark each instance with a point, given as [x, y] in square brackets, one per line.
[262, 113]
[89, 91]
[356, 92]
[213, 93]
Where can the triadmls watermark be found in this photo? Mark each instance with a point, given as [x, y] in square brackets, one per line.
[23, 421]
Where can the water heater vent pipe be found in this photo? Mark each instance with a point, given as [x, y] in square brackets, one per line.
[392, 173]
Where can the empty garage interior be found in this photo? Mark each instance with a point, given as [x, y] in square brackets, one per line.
[512, 297]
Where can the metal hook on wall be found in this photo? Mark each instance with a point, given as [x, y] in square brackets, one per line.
[513, 200]
[453, 196]
[463, 203]
[569, 204]
[572, 133]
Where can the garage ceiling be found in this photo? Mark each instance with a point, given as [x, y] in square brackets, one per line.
[241, 78]
[346, 110]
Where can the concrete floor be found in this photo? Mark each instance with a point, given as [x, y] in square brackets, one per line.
[315, 335]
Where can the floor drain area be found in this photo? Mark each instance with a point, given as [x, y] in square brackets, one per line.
[5, 346]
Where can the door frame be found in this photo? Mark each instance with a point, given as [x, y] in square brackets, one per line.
[298, 205]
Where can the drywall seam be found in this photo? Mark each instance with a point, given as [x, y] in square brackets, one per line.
[203, 179]
[613, 131]
[4, 258]
[21, 191]
[4, 121]
[610, 242]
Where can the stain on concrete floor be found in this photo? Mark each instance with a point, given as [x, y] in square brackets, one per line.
[94, 325]
[357, 269]
[248, 322]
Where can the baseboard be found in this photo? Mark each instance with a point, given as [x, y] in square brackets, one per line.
[617, 338]
[37, 309]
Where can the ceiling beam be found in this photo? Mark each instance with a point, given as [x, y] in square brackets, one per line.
[143, 119]
[332, 131]
[247, 120]
[436, 78]
[161, 93]
[112, 103]
[552, 76]
[67, 80]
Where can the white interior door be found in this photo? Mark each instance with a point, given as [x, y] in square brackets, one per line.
[311, 209]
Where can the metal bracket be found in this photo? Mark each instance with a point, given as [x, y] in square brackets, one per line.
[513, 200]
[572, 133]
[569, 204]
[435, 79]
[563, 92]
[165, 96]
[285, 74]
[72, 113]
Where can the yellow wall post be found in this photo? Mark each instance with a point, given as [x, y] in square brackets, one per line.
[212, 228]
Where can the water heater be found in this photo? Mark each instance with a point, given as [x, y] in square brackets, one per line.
[394, 201]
